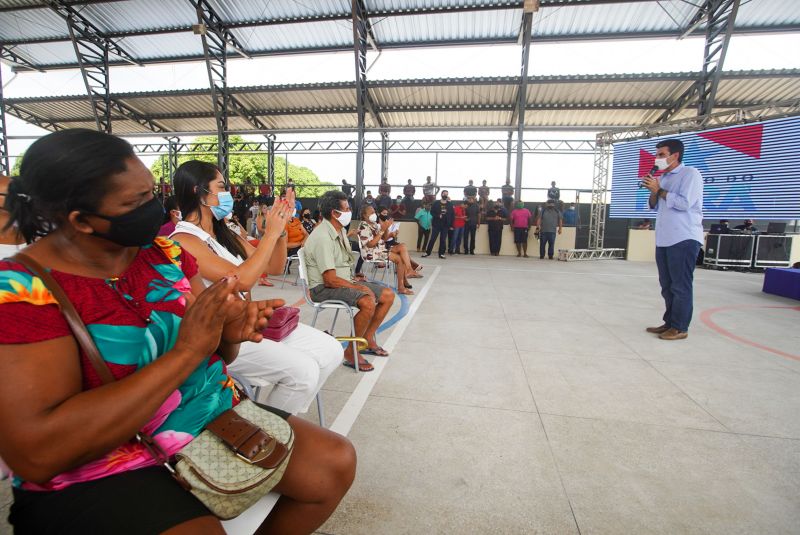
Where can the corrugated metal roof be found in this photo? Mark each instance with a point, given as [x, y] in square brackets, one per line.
[282, 26]
[552, 101]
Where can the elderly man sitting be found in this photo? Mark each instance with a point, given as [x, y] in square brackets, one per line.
[330, 263]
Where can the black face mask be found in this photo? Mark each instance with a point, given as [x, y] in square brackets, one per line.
[137, 228]
[383, 217]
[306, 216]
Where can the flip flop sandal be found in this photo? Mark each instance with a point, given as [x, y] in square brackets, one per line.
[375, 351]
[362, 367]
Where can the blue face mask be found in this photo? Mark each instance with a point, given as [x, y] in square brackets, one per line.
[225, 206]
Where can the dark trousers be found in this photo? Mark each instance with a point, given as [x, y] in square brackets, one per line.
[469, 238]
[408, 202]
[675, 275]
[549, 239]
[449, 240]
[422, 237]
[439, 232]
[455, 239]
[495, 240]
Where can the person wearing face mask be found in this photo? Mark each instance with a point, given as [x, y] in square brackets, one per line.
[373, 231]
[398, 208]
[443, 216]
[494, 223]
[308, 223]
[172, 215]
[677, 197]
[298, 365]
[330, 263]
[11, 240]
[86, 204]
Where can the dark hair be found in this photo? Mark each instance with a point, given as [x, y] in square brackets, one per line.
[331, 200]
[170, 203]
[63, 172]
[674, 145]
[191, 180]
[364, 208]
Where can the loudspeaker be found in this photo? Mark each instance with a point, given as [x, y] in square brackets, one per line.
[773, 251]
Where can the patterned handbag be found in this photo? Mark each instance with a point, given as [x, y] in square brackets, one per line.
[230, 465]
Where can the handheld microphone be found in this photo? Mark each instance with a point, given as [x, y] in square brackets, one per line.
[652, 170]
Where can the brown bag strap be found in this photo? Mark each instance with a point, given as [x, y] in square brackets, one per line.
[74, 320]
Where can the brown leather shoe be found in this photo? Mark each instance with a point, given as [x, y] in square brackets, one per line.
[658, 330]
[673, 334]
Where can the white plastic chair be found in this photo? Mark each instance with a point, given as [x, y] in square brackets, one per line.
[286, 269]
[330, 304]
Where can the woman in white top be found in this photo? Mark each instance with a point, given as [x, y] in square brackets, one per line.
[297, 366]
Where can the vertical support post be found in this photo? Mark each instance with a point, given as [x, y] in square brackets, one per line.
[597, 218]
[172, 156]
[436, 169]
[384, 155]
[360, 37]
[721, 18]
[522, 99]
[286, 176]
[271, 164]
[92, 54]
[508, 156]
[5, 165]
[215, 52]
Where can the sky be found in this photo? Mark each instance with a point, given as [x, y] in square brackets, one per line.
[776, 51]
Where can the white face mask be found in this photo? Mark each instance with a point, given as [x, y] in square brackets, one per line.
[344, 218]
[372, 218]
[178, 215]
[661, 163]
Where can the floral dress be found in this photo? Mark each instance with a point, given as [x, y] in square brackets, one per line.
[133, 319]
[366, 233]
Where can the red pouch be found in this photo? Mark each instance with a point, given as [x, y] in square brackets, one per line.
[283, 322]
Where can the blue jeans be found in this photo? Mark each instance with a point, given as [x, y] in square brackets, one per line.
[549, 239]
[675, 274]
[455, 242]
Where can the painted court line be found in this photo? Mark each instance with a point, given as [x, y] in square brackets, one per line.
[706, 315]
[349, 413]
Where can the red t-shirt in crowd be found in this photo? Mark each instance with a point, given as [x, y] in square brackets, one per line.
[460, 216]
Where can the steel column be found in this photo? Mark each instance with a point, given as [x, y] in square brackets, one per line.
[92, 49]
[172, 156]
[5, 165]
[384, 155]
[508, 157]
[214, 51]
[271, 164]
[719, 16]
[360, 36]
[92, 57]
[522, 97]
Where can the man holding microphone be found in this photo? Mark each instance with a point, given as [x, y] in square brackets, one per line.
[677, 196]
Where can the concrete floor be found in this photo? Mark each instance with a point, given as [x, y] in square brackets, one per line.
[525, 397]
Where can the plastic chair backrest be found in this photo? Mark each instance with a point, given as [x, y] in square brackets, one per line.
[301, 256]
[303, 277]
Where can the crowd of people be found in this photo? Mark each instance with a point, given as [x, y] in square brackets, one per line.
[172, 320]
[165, 287]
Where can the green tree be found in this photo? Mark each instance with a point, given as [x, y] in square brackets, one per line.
[248, 168]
